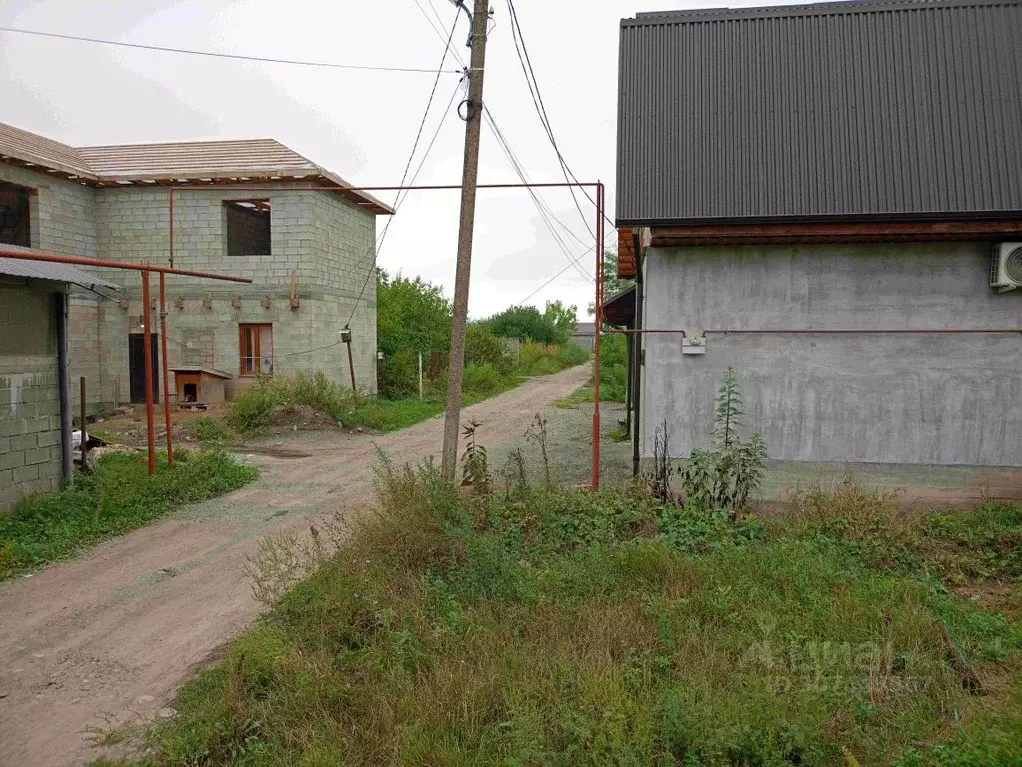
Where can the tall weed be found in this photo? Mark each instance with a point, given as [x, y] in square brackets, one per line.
[254, 406]
[576, 628]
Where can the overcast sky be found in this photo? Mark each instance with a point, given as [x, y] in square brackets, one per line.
[359, 124]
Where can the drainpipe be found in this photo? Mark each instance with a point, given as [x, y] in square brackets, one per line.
[637, 359]
[63, 382]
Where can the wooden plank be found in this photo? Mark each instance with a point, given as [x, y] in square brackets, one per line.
[786, 234]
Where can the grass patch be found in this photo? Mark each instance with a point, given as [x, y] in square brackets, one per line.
[613, 374]
[390, 415]
[212, 431]
[119, 497]
[580, 395]
[536, 359]
[542, 626]
[984, 546]
[620, 434]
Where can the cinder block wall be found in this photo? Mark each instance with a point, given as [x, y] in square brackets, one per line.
[937, 399]
[29, 405]
[63, 221]
[344, 250]
[315, 235]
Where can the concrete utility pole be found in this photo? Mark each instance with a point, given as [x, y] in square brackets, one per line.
[470, 174]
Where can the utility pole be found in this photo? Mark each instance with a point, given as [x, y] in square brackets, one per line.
[470, 174]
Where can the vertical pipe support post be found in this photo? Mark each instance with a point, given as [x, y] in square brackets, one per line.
[147, 340]
[166, 369]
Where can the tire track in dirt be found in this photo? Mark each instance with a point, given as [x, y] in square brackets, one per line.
[108, 639]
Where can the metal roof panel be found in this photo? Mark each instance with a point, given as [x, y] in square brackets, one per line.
[858, 110]
[53, 272]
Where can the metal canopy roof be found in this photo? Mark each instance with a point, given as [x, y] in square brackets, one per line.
[53, 272]
[245, 161]
[852, 110]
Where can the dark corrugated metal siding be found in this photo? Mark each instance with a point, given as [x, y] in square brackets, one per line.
[868, 110]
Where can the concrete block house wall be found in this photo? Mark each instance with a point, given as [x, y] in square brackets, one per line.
[63, 221]
[778, 192]
[941, 399]
[317, 235]
[30, 427]
[113, 203]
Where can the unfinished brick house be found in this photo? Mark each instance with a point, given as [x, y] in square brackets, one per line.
[309, 253]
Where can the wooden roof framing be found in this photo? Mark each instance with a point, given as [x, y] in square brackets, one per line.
[211, 163]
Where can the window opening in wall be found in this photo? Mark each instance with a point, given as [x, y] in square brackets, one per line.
[247, 223]
[15, 215]
[256, 349]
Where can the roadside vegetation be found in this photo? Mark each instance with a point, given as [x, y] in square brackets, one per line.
[536, 625]
[508, 621]
[613, 374]
[413, 318]
[117, 498]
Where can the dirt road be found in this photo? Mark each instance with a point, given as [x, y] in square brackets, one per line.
[108, 639]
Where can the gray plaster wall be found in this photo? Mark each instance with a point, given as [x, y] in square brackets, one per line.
[885, 398]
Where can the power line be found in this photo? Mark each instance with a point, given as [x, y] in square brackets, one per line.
[518, 165]
[537, 99]
[214, 54]
[386, 228]
[544, 213]
[506, 147]
[437, 29]
[537, 290]
[415, 145]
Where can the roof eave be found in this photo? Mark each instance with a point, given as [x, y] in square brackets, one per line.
[873, 218]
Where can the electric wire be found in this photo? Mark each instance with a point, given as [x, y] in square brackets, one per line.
[537, 198]
[537, 98]
[545, 284]
[545, 214]
[220, 55]
[411, 157]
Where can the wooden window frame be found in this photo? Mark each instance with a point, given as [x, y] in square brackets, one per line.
[256, 351]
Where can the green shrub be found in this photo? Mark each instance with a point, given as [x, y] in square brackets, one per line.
[212, 430]
[482, 347]
[413, 317]
[722, 478]
[543, 626]
[482, 379]
[613, 367]
[572, 354]
[526, 323]
[398, 374]
[254, 406]
[536, 359]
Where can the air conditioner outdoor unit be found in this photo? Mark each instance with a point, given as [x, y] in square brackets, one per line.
[1006, 266]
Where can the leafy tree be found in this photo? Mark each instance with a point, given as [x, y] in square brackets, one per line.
[483, 347]
[412, 316]
[562, 320]
[526, 323]
[612, 284]
[521, 322]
